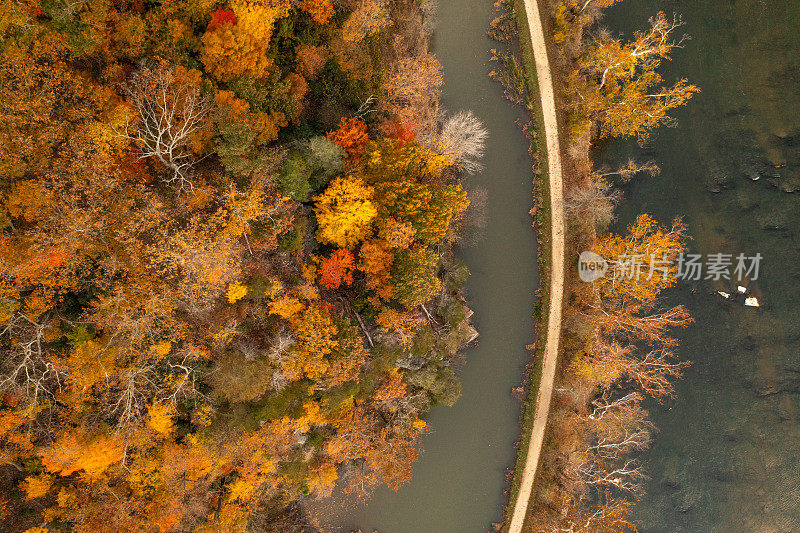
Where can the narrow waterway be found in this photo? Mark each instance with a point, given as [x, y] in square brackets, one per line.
[460, 477]
[727, 454]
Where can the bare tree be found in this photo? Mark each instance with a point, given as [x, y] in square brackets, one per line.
[464, 141]
[593, 202]
[25, 367]
[630, 170]
[278, 381]
[281, 342]
[614, 429]
[182, 383]
[608, 514]
[652, 328]
[598, 3]
[596, 472]
[136, 389]
[603, 406]
[169, 111]
[618, 435]
[653, 372]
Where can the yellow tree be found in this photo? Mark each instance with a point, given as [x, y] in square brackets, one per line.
[398, 160]
[618, 85]
[345, 212]
[75, 451]
[203, 258]
[396, 234]
[316, 341]
[641, 263]
[402, 325]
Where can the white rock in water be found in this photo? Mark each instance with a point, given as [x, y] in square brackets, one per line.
[741, 289]
[724, 294]
[751, 302]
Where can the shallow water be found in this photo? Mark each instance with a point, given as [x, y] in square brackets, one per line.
[459, 480]
[727, 455]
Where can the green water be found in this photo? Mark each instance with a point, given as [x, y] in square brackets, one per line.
[727, 456]
[459, 480]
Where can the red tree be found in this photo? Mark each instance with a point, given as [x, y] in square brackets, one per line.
[221, 16]
[336, 269]
[351, 135]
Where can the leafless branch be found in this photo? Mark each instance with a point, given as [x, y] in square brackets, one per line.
[26, 367]
[169, 111]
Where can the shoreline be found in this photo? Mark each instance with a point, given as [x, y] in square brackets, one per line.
[548, 318]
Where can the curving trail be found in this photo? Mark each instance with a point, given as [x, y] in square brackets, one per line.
[557, 225]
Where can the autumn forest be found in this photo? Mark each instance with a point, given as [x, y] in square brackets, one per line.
[227, 277]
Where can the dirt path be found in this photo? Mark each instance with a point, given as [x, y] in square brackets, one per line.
[551, 349]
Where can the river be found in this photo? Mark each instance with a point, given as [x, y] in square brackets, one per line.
[728, 449]
[460, 478]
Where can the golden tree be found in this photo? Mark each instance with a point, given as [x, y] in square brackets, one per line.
[617, 84]
[345, 212]
[642, 263]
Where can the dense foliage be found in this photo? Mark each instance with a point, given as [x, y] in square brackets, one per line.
[226, 274]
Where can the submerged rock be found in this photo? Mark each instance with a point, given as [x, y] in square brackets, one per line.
[752, 301]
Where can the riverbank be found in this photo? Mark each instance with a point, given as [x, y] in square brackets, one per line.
[549, 220]
[577, 485]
